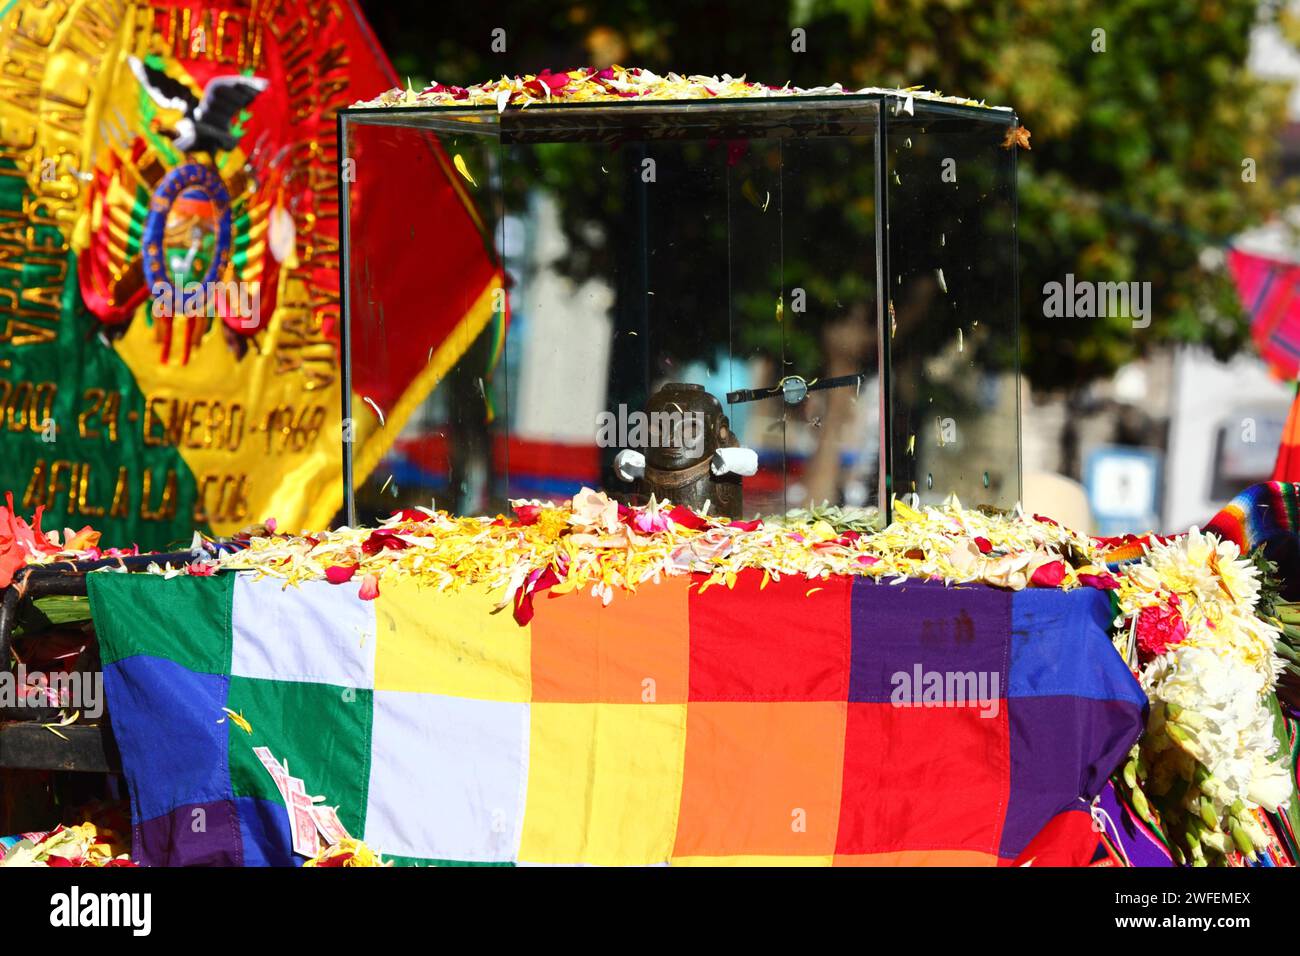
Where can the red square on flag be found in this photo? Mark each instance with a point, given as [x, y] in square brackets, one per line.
[792, 644]
[918, 778]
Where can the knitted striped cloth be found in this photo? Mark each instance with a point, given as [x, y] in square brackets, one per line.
[1265, 514]
[1259, 515]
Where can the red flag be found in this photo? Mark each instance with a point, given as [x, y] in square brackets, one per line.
[425, 278]
[1270, 294]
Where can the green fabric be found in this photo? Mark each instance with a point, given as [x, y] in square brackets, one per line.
[66, 353]
[334, 753]
[202, 644]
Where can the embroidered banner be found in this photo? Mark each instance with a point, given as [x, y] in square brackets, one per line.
[169, 262]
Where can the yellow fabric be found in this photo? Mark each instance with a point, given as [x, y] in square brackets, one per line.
[604, 783]
[449, 643]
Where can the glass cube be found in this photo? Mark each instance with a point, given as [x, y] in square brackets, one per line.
[838, 271]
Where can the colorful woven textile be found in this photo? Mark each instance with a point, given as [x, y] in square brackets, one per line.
[1283, 823]
[744, 726]
[1260, 514]
[1127, 839]
[1264, 514]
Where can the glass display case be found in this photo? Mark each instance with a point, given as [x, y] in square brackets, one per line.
[838, 271]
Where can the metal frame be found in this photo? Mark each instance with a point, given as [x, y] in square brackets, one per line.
[884, 324]
[345, 320]
[86, 747]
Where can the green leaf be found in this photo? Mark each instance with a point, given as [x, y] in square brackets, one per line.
[52, 611]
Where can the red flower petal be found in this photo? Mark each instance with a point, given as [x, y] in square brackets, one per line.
[1159, 627]
[524, 596]
[369, 587]
[687, 518]
[1048, 575]
[984, 544]
[1102, 582]
[339, 574]
[527, 514]
[379, 540]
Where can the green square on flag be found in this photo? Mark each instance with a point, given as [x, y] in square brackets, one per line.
[321, 730]
[185, 620]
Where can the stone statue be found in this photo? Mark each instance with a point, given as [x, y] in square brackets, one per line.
[691, 454]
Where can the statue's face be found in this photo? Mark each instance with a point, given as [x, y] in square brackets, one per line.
[683, 429]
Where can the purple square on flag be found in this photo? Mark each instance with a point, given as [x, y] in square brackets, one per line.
[199, 834]
[1062, 749]
[914, 641]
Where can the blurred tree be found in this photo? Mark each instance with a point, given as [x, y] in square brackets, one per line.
[1144, 115]
[1142, 112]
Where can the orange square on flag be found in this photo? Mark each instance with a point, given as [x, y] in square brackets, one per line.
[635, 650]
[761, 778]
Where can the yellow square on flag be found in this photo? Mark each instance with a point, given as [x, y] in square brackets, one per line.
[442, 642]
[604, 783]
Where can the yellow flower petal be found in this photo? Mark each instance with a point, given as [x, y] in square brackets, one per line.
[459, 162]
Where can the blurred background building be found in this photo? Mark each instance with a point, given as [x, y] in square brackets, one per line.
[1166, 139]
